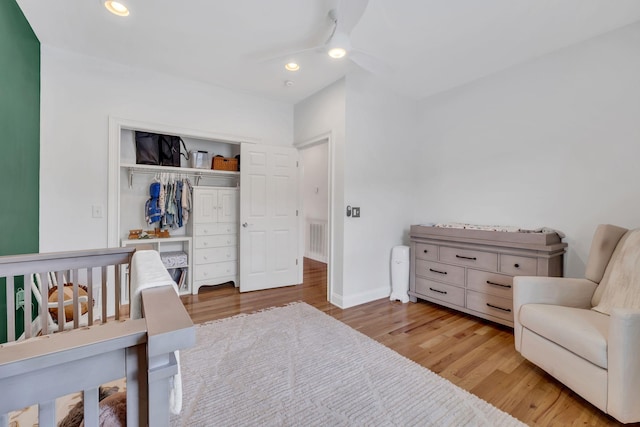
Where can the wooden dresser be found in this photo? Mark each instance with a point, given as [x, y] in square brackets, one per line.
[472, 270]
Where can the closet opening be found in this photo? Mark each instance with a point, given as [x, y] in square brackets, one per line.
[315, 197]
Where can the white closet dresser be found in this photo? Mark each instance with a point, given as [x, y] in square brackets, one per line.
[215, 236]
[472, 270]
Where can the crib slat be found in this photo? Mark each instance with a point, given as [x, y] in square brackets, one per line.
[104, 294]
[60, 286]
[11, 309]
[47, 414]
[90, 295]
[76, 310]
[43, 285]
[27, 305]
[91, 411]
[137, 407]
[117, 289]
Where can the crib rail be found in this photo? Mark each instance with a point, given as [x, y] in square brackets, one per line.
[93, 268]
[42, 368]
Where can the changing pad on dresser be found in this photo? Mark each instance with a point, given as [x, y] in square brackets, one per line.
[503, 228]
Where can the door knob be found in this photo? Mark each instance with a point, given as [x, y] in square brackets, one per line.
[245, 225]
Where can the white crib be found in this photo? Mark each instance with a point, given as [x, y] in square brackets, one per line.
[39, 369]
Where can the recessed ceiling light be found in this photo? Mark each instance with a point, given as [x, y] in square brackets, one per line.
[337, 52]
[292, 66]
[116, 7]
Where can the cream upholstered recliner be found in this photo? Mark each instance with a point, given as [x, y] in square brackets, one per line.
[586, 332]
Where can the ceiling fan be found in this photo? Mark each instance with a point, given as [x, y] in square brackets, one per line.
[338, 46]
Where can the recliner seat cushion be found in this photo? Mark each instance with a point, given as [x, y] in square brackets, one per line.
[583, 332]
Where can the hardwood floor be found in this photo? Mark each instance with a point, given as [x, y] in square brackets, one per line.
[474, 354]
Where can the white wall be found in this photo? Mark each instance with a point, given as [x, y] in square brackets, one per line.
[381, 172]
[321, 114]
[554, 142]
[79, 93]
[374, 137]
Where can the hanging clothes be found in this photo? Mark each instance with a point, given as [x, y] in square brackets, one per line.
[172, 201]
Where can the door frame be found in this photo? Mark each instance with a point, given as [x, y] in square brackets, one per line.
[326, 137]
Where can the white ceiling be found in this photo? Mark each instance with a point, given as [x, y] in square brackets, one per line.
[431, 45]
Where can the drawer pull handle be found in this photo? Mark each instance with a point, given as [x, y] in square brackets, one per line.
[425, 251]
[440, 292]
[508, 310]
[516, 265]
[437, 271]
[471, 258]
[498, 284]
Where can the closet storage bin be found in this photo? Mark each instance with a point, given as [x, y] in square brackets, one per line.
[174, 259]
[199, 159]
[224, 163]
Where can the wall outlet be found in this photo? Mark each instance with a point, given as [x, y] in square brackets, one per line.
[355, 212]
[96, 211]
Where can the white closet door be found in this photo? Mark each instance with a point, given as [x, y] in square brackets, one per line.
[268, 217]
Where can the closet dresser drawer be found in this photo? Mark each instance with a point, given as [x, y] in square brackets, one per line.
[215, 241]
[211, 229]
[206, 256]
[472, 270]
[219, 269]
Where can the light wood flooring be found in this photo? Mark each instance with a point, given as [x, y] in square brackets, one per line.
[474, 354]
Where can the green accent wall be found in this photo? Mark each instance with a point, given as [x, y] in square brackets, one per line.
[19, 140]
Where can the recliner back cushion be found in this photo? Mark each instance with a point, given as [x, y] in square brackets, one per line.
[604, 242]
[620, 285]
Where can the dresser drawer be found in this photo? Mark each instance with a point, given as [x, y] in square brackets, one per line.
[215, 228]
[518, 265]
[441, 272]
[426, 252]
[213, 271]
[496, 284]
[490, 304]
[215, 241]
[207, 256]
[469, 258]
[440, 291]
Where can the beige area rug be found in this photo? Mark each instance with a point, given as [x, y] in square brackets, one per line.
[296, 366]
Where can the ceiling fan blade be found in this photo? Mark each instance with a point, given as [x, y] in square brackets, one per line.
[370, 63]
[349, 13]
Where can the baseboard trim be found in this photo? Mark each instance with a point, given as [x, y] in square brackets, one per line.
[364, 297]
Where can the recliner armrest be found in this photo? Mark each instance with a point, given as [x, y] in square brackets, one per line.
[548, 290]
[623, 364]
[552, 290]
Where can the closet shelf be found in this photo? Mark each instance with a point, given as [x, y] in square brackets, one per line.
[197, 173]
